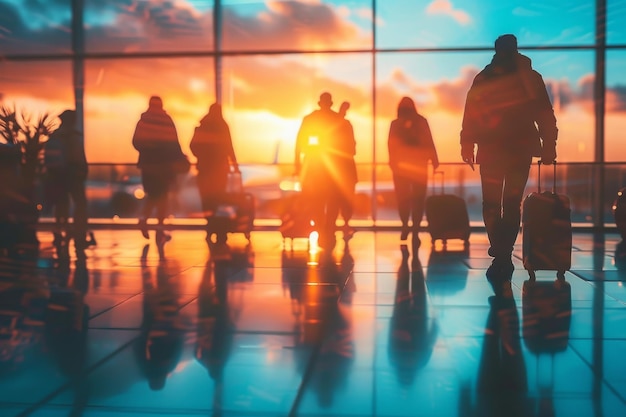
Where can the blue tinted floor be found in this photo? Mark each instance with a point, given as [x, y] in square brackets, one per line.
[371, 329]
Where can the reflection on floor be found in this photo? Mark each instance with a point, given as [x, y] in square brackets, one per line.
[371, 329]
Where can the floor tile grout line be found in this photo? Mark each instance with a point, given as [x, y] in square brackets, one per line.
[66, 385]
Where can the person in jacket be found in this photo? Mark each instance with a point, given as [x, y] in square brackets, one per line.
[66, 173]
[212, 145]
[411, 146]
[347, 176]
[508, 120]
[317, 147]
[156, 140]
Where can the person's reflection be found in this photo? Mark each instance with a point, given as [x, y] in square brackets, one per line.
[24, 296]
[347, 274]
[159, 346]
[215, 325]
[547, 314]
[294, 273]
[447, 272]
[67, 318]
[337, 348]
[412, 333]
[502, 386]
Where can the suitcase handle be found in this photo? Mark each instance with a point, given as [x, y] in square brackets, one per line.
[435, 173]
[539, 176]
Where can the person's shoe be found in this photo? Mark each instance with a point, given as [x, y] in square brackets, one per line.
[58, 239]
[91, 240]
[348, 232]
[493, 272]
[143, 226]
[500, 269]
[162, 238]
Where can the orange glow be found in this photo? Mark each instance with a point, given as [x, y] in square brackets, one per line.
[139, 193]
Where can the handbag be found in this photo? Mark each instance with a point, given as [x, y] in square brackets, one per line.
[181, 165]
[234, 183]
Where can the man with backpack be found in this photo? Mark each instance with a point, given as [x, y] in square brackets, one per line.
[509, 119]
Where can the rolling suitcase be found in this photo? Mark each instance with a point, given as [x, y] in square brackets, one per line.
[546, 231]
[296, 219]
[447, 216]
[237, 212]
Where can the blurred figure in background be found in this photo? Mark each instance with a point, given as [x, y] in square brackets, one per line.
[346, 172]
[212, 145]
[66, 173]
[317, 145]
[160, 154]
[411, 146]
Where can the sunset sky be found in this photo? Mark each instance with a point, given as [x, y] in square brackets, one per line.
[265, 96]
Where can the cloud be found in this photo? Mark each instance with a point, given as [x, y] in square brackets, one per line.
[292, 24]
[616, 99]
[445, 7]
[16, 37]
[166, 25]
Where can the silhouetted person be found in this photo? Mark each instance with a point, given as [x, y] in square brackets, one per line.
[66, 173]
[213, 146]
[315, 161]
[156, 140]
[410, 146]
[347, 177]
[412, 333]
[509, 116]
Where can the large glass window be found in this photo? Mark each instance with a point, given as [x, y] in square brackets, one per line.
[297, 25]
[265, 99]
[117, 92]
[35, 27]
[280, 55]
[615, 18]
[37, 87]
[615, 145]
[438, 83]
[464, 23]
[148, 26]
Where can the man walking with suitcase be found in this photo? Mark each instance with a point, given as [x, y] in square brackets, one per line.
[509, 116]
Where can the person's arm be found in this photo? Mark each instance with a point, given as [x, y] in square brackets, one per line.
[434, 159]
[352, 140]
[138, 136]
[546, 123]
[301, 140]
[231, 150]
[471, 118]
[392, 144]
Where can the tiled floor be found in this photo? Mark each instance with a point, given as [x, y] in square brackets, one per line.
[370, 330]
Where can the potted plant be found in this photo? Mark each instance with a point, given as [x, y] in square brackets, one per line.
[22, 137]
